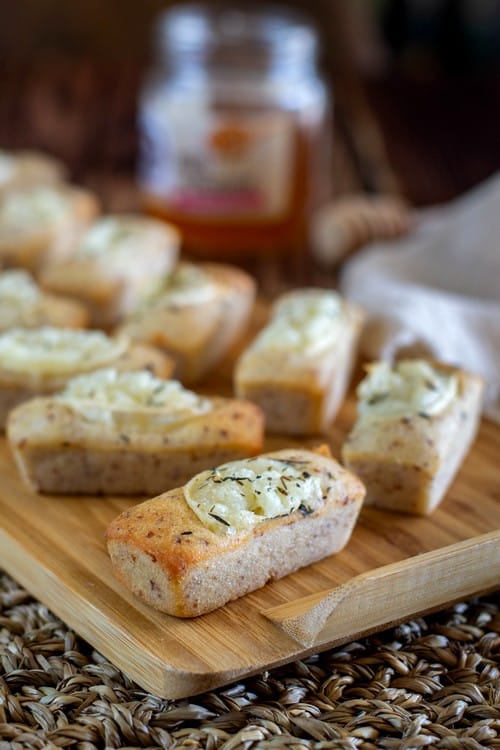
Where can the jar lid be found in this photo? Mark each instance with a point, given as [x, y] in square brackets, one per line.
[235, 36]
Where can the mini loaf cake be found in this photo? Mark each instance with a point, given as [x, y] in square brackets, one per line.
[298, 368]
[42, 223]
[118, 261]
[232, 529]
[24, 305]
[28, 168]
[195, 316]
[416, 422]
[127, 433]
[41, 360]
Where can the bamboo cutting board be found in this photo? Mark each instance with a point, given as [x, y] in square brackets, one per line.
[394, 567]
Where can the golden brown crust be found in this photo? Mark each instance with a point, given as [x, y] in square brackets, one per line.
[166, 555]
[145, 357]
[198, 336]
[407, 463]
[78, 278]
[62, 312]
[59, 451]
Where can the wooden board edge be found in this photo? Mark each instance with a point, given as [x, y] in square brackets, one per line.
[393, 592]
[357, 612]
[93, 625]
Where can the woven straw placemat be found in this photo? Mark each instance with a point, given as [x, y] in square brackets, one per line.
[432, 682]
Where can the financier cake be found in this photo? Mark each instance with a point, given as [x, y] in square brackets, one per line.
[416, 422]
[39, 361]
[28, 168]
[196, 315]
[42, 223]
[299, 367]
[127, 433]
[24, 305]
[232, 529]
[118, 261]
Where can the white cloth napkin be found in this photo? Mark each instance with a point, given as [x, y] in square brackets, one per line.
[437, 291]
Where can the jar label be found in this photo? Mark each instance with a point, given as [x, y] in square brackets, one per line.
[222, 165]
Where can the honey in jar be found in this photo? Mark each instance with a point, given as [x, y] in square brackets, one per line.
[235, 128]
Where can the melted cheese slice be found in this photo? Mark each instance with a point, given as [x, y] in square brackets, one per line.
[57, 351]
[131, 400]
[408, 388]
[305, 322]
[241, 494]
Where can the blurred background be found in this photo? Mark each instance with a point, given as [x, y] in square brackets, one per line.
[417, 95]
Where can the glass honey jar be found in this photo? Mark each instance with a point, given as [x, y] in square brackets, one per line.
[235, 124]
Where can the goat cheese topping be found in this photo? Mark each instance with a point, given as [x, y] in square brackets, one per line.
[187, 284]
[121, 237]
[58, 351]
[139, 397]
[238, 495]
[20, 298]
[111, 235]
[18, 288]
[408, 388]
[32, 206]
[305, 322]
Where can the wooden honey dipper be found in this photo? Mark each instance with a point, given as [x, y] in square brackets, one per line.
[352, 221]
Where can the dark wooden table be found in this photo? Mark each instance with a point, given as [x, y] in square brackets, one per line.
[431, 139]
[428, 140]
